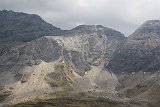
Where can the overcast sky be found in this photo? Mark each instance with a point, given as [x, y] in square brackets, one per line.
[122, 15]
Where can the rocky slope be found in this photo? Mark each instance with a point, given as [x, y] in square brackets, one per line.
[73, 61]
[23, 27]
[44, 65]
[17, 28]
[31, 67]
[136, 64]
[141, 51]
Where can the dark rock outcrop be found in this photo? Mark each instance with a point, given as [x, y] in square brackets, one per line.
[24, 27]
[140, 52]
[17, 28]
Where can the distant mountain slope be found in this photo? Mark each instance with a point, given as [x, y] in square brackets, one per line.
[99, 29]
[148, 30]
[98, 42]
[17, 28]
[23, 27]
[141, 51]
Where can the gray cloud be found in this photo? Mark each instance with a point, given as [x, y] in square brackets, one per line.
[122, 15]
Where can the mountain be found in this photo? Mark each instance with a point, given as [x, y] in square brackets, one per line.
[99, 29]
[137, 63]
[149, 30]
[40, 65]
[17, 28]
[24, 27]
[89, 65]
[140, 52]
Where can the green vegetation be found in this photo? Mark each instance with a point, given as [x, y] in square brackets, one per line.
[4, 96]
[59, 78]
[139, 88]
[70, 102]
[25, 77]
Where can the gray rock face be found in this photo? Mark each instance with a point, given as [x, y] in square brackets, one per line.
[140, 52]
[23, 27]
[149, 30]
[98, 41]
[17, 28]
[27, 55]
[99, 29]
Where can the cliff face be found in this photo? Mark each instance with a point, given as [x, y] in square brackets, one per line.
[97, 42]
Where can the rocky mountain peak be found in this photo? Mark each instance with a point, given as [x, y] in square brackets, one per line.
[91, 27]
[148, 30]
[87, 27]
[17, 28]
[141, 50]
[28, 26]
[6, 17]
[98, 29]
[151, 23]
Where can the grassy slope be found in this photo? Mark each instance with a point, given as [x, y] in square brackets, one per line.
[73, 102]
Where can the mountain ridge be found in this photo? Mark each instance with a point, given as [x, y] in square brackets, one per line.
[88, 61]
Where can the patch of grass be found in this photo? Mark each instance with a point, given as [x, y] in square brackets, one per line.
[4, 96]
[1, 87]
[76, 102]
[25, 77]
[56, 83]
[59, 78]
[139, 88]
